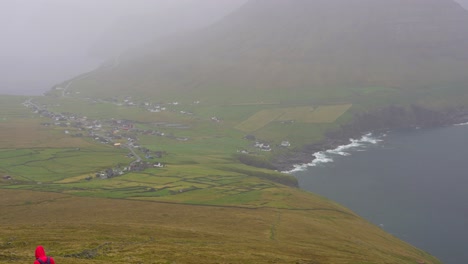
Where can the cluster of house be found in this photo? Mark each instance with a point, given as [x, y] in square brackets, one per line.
[215, 119]
[107, 132]
[262, 146]
[116, 131]
[134, 166]
[266, 147]
[155, 108]
[152, 154]
[64, 119]
[151, 107]
[109, 173]
[130, 102]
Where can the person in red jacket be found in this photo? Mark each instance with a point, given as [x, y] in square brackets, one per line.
[41, 257]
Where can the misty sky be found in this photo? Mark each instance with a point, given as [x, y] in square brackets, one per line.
[44, 42]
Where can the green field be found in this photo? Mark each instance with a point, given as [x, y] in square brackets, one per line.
[172, 152]
[197, 171]
[260, 119]
[301, 114]
[204, 205]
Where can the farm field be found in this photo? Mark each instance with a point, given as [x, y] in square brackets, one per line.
[303, 114]
[200, 169]
[126, 184]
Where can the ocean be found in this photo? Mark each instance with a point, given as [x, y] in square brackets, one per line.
[413, 184]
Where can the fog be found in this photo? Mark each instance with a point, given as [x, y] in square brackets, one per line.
[464, 3]
[45, 42]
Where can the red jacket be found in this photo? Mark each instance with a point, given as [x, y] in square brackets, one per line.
[40, 254]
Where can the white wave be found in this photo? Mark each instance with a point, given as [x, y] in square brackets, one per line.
[462, 124]
[369, 139]
[340, 150]
[337, 152]
[322, 157]
[297, 168]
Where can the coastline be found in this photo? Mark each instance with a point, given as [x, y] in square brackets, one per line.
[363, 130]
[400, 182]
[326, 156]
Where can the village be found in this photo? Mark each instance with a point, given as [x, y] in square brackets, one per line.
[114, 132]
[122, 133]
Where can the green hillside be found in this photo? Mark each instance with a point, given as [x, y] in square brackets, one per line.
[280, 50]
[262, 68]
[66, 184]
[174, 156]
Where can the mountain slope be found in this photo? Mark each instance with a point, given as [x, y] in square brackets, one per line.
[133, 32]
[95, 230]
[302, 46]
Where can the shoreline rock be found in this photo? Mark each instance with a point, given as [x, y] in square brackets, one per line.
[385, 119]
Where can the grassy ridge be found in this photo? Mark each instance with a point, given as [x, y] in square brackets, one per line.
[87, 230]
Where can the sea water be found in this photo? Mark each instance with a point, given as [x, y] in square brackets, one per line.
[413, 184]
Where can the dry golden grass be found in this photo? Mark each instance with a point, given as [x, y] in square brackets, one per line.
[296, 113]
[327, 114]
[75, 178]
[28, 133]
[260, 119]
[303, 114]
[122, 231]
[321, 114]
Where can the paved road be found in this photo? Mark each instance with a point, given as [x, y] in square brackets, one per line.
[138, 158]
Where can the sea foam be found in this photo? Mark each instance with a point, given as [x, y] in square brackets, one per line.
[326, 156]
[462, 124]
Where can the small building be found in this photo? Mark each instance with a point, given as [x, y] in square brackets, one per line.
[158, 165]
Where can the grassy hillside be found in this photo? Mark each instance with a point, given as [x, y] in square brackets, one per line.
[90, 230]
[307, 51]
[204, 205]
[170, 158]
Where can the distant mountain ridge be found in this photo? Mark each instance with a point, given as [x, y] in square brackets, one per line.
[308, 44]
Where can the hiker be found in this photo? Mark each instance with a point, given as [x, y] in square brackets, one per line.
[41, 257]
